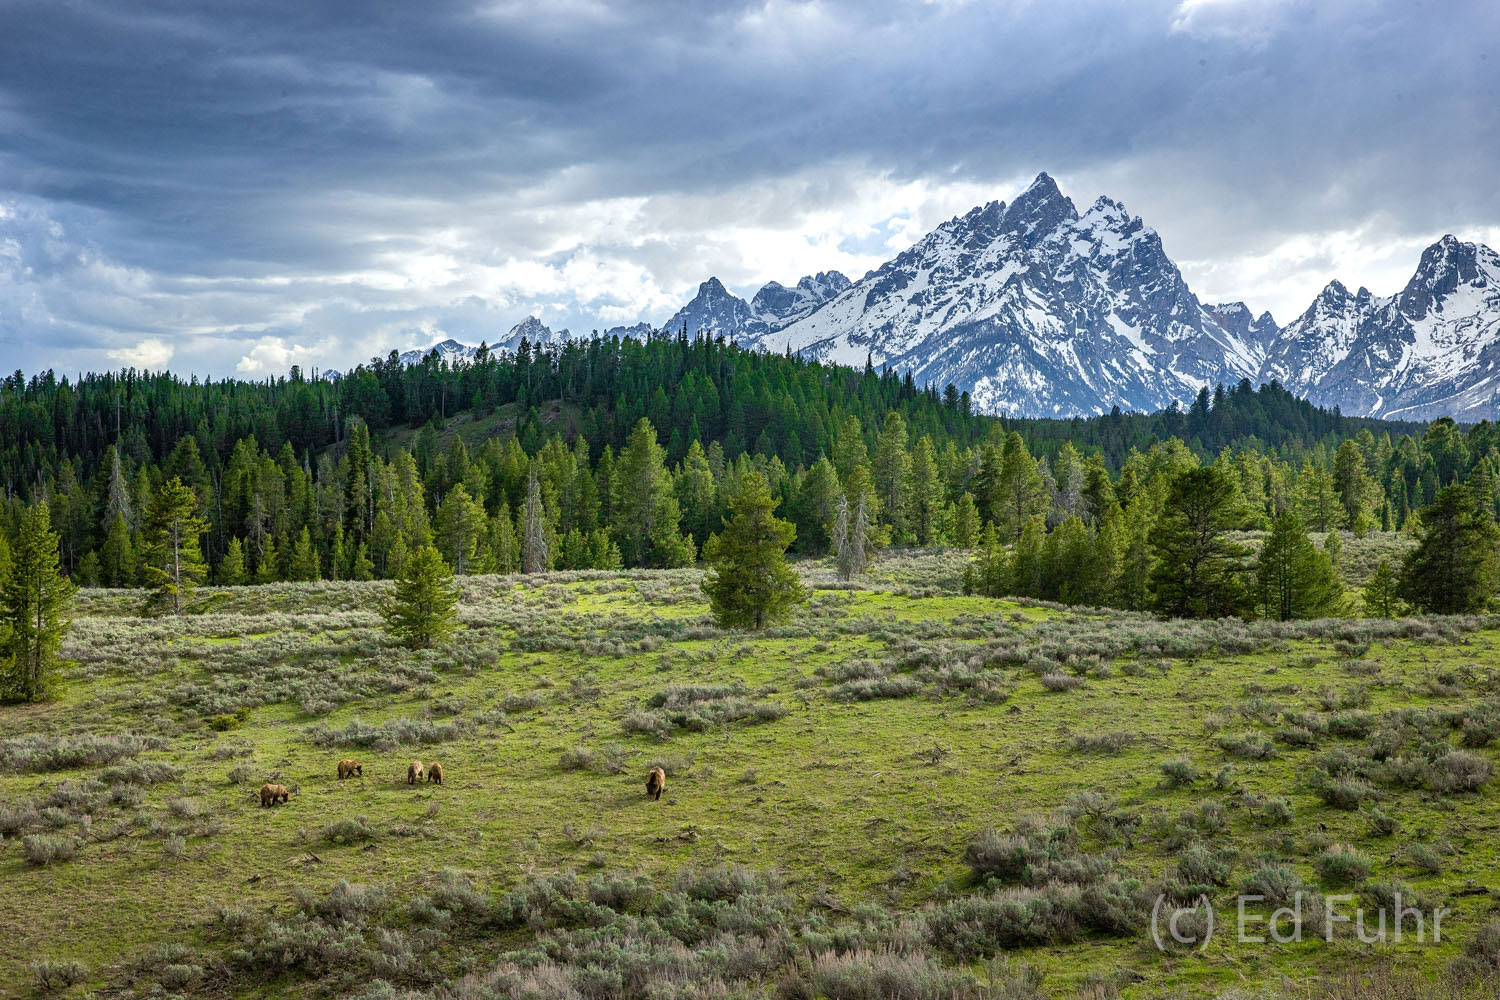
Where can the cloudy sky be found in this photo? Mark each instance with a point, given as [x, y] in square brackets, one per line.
[234, 188]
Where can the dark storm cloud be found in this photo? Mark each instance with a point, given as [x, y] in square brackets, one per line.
[213, 175]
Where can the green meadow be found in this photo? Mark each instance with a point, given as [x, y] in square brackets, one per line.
[903, 792]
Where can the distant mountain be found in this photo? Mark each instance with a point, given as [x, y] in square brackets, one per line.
[534, 332]
[1035, 309]
[717, 310]
[449, 351]
[1430, 350]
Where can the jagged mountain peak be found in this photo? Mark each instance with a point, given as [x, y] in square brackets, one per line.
[1039, 210]
[534, 332]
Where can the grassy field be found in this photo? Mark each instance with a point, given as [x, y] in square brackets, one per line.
[903, 792]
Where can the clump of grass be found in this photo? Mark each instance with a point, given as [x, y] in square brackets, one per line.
[348, 831]
[52, 753]
[1061, 682]
[1104, 743]
[50, 975]
[1343, 865]
[43, 849]
[577, 759]
[1178, 772]
[387, 735]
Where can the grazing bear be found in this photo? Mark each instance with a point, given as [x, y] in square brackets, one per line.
[656, 782]
[414, 772]
[271, 794]
[349, 768]
[435, 773]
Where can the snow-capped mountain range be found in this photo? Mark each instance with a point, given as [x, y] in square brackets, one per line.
[1038, 309]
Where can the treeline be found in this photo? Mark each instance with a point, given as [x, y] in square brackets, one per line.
[622, 452]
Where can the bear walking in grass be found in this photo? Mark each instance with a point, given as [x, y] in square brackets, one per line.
[271, 794]
[349, 768]
[435, 773]
[656, 782]
[414, 772]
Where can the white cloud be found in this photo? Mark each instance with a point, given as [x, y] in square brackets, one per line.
[275, 356]
[1251, 23]
[153, 352]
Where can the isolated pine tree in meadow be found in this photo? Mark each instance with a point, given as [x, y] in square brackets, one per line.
[1455, 567]
[34, 609]
[1292, 578]
[749, 584]
[172, 530]
[424, 606]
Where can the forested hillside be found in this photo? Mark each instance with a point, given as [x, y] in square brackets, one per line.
[626, 450]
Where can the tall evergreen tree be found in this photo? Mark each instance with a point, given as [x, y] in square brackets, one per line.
[1381, 600]
[1292, 578]
[304, 560]
[1455, 567]
[1198, 571]
[424, 606]
[645, 518]
[35, 603]
[749, 584]
[1023, 491]
[534, 549]
[461, 528]
[173, 527]
[232, 566]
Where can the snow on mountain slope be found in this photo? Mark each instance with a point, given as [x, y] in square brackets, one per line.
[1432, 349]
[715, 309]
[534, 332]
[1034, 309]
[449, 351]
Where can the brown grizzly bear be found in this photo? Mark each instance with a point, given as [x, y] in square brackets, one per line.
[271, 794]
[414, 772]
[435, 773]
[656, 782]
[349, 768]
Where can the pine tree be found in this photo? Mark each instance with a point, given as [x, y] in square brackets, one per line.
[268, 567]
[534, 549]
[1133, 583]
[1317, 500]
[362, 567]
[461, 525]
[889, 467]
[966, 524]
[1292, 578]
[749, 584]
[173, 527]
[1198, 571]
[645, 512]
[1380, 593]
[117, 559]
[304, 565]
[35, 610]
[424, 606]
[924, 495]
[1023, 492]
[1455, 567]
[1027, 560]
[232, 566]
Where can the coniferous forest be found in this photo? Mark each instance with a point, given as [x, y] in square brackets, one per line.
[619, 452]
